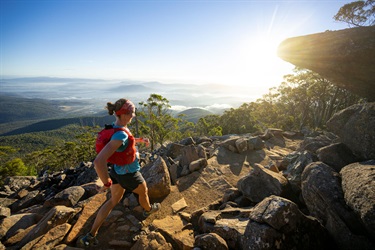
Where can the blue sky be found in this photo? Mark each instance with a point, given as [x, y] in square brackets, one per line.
[227, 42]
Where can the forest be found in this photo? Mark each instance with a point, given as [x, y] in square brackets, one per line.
[304, 101]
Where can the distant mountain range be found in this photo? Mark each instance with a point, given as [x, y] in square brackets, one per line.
[28, 101]
[96, 92]
[20, 115]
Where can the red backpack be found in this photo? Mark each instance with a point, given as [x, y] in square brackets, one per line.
[120, 158]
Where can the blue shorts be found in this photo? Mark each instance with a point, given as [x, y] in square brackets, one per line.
[128, 181]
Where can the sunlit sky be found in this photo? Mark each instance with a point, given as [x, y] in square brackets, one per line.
[186, 41]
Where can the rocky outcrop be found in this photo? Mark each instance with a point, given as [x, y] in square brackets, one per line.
[358, 184]
[345, 57]
[229, 192]
[277, 223]
[355, 126]
[324, 197]
[340, 194]
[261, 183]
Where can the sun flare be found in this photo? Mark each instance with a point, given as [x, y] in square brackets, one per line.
[259, 62]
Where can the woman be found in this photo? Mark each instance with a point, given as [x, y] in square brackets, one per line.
[121, 177]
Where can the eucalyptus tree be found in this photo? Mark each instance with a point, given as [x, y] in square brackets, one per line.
[209, 126]
[158, 123]
[239, 121]
[14, 167]
[185, 128]
[307, 99]
[358, 13]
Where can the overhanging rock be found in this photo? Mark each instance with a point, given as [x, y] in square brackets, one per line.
[345, 57]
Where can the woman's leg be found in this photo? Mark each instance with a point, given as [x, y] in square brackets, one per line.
[142, 191]
[116, 194]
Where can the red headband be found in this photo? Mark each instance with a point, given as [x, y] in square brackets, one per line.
[127, 108]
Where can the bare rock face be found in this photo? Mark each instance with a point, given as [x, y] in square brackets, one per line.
[158, 180]
[277, 223]
[355, 127]
[321, 189]
[358, 183]
[345, 57]
[261, 183]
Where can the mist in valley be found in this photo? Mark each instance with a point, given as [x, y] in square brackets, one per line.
[89, 96]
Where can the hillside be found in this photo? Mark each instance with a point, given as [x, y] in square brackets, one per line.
[14, 108]
[19, 115]
[33, 141]
[52, 124]
[193, 114]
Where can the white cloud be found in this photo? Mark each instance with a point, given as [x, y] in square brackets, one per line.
[218, 106]
[179, 108]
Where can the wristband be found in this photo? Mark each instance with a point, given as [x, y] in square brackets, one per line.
[108, 184]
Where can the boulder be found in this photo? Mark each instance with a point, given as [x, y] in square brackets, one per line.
[241, 145]
[32, 198]
[210, 241]
[197, 165]
[229, 224]
[56, 216]
[86, 218]
[298, 163]
[336, 155]
[255, 143]
[358, 184]
[4, 212]
[68, 197]
[53, 237]
[324, 197]
[277, 223]
[16, 183]
[154, 240]
[172, 228]
[10, 225]
[313, 143]
[188, 154]
[355, 127]
[174, 150]
[261, 183]
[86, 174]
[157, 178]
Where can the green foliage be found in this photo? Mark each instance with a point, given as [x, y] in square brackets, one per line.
[14, 167]
[185, 128]
[57, 150]
[358, 13]
[28, 142]
[194, 114]
[20, 109]
[54, 124]
[238, 121]
[6, 153]
[5, 150]
[159, 125]
[307, 99]
[67, 155]
[209, 126]
[304, 99]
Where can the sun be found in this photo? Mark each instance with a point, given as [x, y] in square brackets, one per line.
[260, 66]
[263, 51]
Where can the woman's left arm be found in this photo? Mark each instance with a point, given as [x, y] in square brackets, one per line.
[142, 140]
